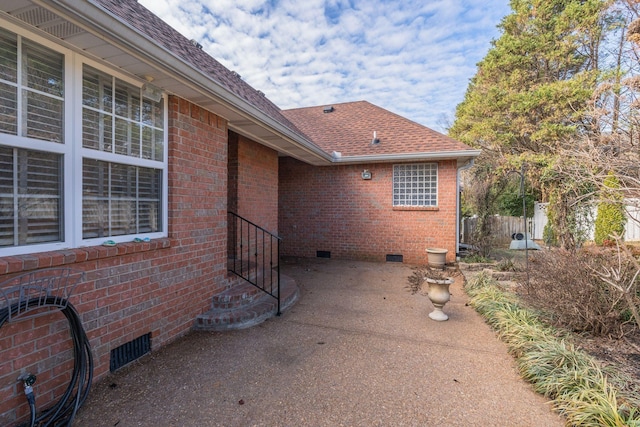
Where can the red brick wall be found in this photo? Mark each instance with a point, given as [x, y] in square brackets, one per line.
[257, 182]
[333, 209]
[133, 288]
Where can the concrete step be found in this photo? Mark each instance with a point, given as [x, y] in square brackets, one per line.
[239, 295]
[240, 307]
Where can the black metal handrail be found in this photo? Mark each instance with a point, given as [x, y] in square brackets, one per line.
[254, 255]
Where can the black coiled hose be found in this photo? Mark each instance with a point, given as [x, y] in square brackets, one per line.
[64, 411]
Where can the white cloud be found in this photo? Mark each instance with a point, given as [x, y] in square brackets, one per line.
[414, 58]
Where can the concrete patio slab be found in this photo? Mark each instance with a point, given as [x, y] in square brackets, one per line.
[357, 350]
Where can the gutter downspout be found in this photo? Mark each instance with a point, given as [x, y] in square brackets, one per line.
[466, 166]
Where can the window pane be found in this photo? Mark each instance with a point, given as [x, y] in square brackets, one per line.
[44, 117]
[8, 109]
[152, 143]
[97, 89]
[153, 136]
[34, 194]
[127, 138]
[95, 198]
[91, 129]
[39, 202]
[43, 86]
[119, 199]
[97, 130]
[149, 184]
[8, 56]
[6, 197]
[43, 69]
[127, 101]
[153, 113]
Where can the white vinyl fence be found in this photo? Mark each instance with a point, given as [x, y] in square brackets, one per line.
[503, 227]
[631, 229]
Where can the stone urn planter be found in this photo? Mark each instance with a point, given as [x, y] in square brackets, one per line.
[434, 283]
[437, 257]
[438, 293]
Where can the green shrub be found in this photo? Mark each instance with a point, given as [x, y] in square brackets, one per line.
[549, 235]
[611, 219]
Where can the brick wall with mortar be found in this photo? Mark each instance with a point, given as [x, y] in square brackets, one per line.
[333, 209]
[133, 288]
[253, 194]
[256, 182]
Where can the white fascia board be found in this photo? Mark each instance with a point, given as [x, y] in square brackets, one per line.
[92, 16]
[411, 157]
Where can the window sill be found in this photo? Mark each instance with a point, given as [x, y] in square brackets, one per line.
[20, 263]
[416, 208]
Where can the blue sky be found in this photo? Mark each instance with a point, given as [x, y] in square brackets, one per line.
[412, 57]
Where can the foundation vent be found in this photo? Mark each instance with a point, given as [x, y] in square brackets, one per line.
[323, 254]
[130, 351]
[394, 258]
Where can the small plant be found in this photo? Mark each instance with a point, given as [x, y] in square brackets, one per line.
[482, 243]
[508, 264]
[420, 275]
[475, 258]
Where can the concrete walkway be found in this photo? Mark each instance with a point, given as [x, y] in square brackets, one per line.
[357, 350]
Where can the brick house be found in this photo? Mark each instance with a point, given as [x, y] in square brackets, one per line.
[124, 149]
[388, 194]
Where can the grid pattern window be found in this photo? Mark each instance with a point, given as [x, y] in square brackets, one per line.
[120, 198]
[30, 197]
[117, 119]
[31, 89]
[80, 166]
[31, 114]
[415, 185]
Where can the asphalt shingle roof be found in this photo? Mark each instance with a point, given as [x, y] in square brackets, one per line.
[349, 128]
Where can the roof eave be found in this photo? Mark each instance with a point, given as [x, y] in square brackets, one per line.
[462, 157]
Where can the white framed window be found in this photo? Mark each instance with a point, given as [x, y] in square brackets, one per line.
[415, 185]
[83, 154]
[123, 157]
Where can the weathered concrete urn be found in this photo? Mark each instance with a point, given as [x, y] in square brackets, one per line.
[436, 257]
[438, 293]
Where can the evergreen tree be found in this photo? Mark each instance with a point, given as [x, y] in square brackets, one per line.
[611, 219]
[533, 89]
